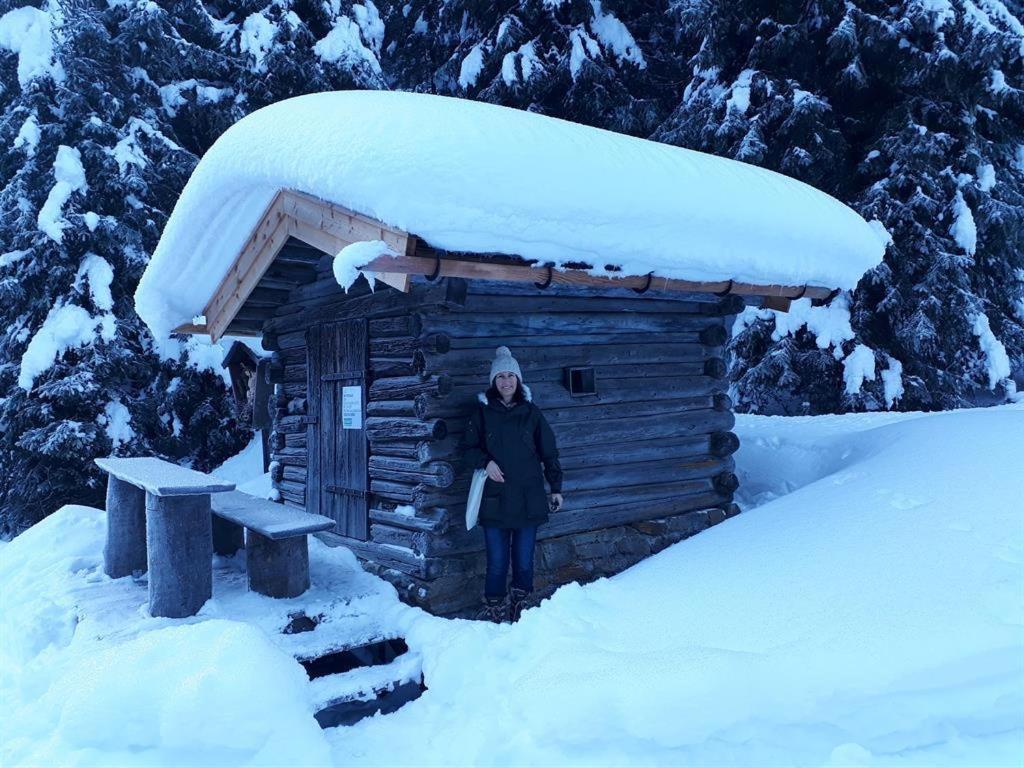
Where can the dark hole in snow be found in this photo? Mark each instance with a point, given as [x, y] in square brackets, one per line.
[300, 622]
[385, 702]
[370, 655]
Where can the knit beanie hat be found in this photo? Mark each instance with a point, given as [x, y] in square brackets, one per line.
[504, 361]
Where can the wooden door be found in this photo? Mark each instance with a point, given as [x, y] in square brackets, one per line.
[337, 485]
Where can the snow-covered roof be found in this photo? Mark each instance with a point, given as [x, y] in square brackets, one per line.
[474, 177]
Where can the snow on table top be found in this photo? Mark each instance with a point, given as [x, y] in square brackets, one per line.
[471, 176]
[162, 478]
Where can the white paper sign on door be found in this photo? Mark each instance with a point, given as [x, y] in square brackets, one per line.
[352, 407]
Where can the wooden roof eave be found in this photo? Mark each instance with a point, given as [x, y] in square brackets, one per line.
[330, 228]
[776, 296]
[320, 224]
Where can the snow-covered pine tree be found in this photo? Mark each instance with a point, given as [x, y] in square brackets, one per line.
[90, 170]
[911, 113]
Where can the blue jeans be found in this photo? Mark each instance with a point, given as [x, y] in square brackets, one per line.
[500, 543]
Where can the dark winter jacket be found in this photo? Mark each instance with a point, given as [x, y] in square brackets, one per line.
[518, 439]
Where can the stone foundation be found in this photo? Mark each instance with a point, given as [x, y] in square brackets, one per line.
[580, 557]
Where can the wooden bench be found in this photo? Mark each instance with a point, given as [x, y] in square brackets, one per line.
[276, 543]
[158, 519]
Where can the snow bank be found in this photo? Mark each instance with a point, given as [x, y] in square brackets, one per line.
[216, 692]
[871, 617]
[469, 176]
[868, 613]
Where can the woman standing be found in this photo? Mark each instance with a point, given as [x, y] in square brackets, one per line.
[510, 438]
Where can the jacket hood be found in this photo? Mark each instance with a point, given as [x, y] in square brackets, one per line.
[482, 396]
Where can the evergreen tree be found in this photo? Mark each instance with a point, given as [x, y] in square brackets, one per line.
[909, 114]
[91, 171]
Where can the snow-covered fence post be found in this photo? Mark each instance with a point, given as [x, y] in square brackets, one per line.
[180, 539]
[125, 550]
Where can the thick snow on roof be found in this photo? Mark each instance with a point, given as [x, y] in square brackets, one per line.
[470, 176]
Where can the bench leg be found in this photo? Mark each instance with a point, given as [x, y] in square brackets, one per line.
[228, 537]
[180, 542]
[125, 550]
[277, 568]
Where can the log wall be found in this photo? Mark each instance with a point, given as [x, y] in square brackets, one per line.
[647, 461]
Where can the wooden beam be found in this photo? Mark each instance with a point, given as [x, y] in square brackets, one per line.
[345, 225]
[777, 303]
[476, 270]
[247, 269]
[329, 239]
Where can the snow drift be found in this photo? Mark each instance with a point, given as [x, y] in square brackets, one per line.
[870, 616]
[470, 176]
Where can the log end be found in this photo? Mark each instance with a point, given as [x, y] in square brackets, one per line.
[722, 402]
[714, 336]
[715, 368]
[726, 483]
[724, 444]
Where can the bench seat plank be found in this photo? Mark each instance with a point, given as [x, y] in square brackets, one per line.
[275, 521]
[162, 478]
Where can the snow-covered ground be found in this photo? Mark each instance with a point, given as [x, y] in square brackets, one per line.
[869, 612]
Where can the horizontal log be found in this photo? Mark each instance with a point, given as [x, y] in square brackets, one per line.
[589, 477]
[713, 367]
[324, 299]
[407, 387]
[713, 336]
[290, 424]
[388, 535]
[295, 440]
[399, 325]
[462, 324]
[403, 450]
[407, 346]
[400, 493]
[394, 557]
[392, 408]
[454, 497]
[635, 428]
[703, 504]
[296, 372]
[577, 410]
[393, 428]
[541, 302]
[278, 342]
[267, 297]
[610, 454]
[294, 473]
[294, 456]
[438, 474]
[612, 292]
[534, 358]
[431, 521]
[553, 395]
[293, 389]
[390, 367]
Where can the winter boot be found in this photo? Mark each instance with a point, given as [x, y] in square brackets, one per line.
[495, 609]
[517, 603]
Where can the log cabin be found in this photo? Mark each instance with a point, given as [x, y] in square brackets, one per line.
[382, 291]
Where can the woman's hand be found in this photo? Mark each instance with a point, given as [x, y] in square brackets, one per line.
[494, 472]
[555, 501]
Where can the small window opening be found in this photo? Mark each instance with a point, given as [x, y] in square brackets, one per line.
[581, 381]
